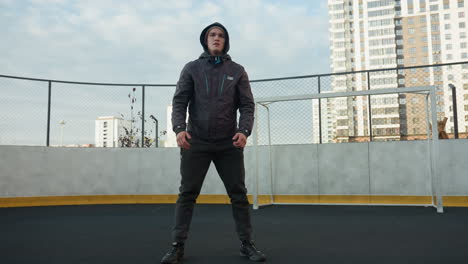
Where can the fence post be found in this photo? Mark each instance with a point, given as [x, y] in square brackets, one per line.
[455, 112]
[143, 117]
[48, 114]
[369, 104]
[320, 112]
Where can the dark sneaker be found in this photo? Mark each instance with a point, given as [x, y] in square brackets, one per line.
[249, 250]
[175, 255]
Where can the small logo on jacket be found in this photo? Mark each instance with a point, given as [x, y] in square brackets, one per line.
[230, 78]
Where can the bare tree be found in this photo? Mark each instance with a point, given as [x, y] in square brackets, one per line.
[131, 138]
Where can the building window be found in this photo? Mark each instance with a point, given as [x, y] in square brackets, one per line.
[424, 29]
[463, 45]
[464, 55]
[447, 26]
[446, 5]
[465, 86]
[434, 7]
[410, 21]
[465, 97]
[412, 50]
[465, 107]
[447, 16]
[411, 30]
[461, 25]
[105, 124]
[448, 36]
[461, 3]
[448, 46]
[450, 77]
[104, 144]
[411, 40]
[462, 35]
[449, 56]
[461, 14]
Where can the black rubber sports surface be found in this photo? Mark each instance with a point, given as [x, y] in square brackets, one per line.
[133, 234]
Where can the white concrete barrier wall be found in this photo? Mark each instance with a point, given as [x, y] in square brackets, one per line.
[377, 168]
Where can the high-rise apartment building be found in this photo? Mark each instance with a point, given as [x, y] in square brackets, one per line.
[324, 119]
[377, 34]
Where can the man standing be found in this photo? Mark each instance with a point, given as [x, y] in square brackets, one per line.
[213, 88]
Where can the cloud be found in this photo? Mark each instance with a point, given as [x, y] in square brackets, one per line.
[125, 41]
[149, 41]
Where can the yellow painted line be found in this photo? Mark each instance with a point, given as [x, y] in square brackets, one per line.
[348, 199]
[400, 199]
[224, 199]
[296, 198]
[456, 201]
[213, 199]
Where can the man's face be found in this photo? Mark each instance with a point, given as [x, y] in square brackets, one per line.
[215, 41]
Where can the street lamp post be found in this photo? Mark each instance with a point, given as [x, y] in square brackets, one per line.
[156, 124]
[62, 124]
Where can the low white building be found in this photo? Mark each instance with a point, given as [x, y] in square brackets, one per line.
[171, 141]
[109, 129]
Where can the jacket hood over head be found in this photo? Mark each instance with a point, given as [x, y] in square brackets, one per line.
[203, 37]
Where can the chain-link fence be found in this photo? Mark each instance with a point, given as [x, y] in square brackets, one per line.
[389, 117]
[111, 115]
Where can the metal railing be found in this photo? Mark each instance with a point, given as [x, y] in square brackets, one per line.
[26, 109]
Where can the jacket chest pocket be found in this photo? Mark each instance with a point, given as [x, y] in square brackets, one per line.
[226, 86]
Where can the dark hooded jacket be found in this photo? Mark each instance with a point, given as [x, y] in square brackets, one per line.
[213, 88]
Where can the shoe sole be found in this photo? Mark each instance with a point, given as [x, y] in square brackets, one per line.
[256, 260]
[179, 260]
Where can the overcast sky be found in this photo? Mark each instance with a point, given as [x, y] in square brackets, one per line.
[150, 41]
[141, 41]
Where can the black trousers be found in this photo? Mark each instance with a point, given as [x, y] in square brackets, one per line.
[194, 164]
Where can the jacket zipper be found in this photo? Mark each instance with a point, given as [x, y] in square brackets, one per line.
[222, 85]
[206, 84]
